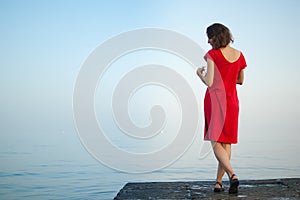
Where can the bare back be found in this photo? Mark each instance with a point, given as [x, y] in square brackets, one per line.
[230, 54]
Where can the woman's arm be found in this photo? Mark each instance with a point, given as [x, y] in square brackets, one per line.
[240, 79]
[208, 78]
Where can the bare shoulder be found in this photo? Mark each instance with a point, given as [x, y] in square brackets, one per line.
[231, 54]
[235, 52]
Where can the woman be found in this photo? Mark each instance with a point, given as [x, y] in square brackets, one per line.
[225, 69]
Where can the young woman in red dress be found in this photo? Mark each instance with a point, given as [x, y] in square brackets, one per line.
[225, 69]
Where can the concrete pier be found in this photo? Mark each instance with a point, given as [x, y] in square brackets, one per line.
[275, 189]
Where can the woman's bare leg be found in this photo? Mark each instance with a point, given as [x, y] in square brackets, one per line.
[223, 153]
[221, 170]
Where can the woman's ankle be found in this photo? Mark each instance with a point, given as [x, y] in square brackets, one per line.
[219, 180]
[233, 176]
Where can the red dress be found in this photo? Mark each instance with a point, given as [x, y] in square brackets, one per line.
[221, 104]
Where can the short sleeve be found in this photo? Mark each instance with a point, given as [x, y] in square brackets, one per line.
[210, 54]
[243, 63]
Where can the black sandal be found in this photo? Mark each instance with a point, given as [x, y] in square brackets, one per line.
[234, 184]
[221, 189]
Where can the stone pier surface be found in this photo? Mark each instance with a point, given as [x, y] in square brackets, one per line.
[274, 189]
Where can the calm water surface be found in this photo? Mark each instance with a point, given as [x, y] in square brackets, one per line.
[60, 168]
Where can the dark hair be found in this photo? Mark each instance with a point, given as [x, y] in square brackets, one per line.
[220, 35]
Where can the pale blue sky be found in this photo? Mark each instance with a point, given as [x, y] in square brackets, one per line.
[44, 43]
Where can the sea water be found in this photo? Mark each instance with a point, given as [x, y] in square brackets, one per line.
[57, 166]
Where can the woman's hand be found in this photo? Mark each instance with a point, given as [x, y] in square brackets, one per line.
[208, 77]
[200, 71]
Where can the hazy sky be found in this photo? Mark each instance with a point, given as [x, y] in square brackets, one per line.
[44, 43]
